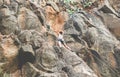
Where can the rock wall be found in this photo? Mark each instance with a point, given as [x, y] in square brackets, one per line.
[29, 31]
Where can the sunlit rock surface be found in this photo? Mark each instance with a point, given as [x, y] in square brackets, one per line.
[28, 38]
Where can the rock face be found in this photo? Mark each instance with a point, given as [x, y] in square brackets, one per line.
[28, 20]
[109, 13]
[28, 39]
[8, 52]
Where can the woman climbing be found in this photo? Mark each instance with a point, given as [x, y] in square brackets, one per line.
[61, 41]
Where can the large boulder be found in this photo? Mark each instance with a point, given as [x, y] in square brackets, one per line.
[8, 24]
[27, 20]
[8, 20]
[112, 23]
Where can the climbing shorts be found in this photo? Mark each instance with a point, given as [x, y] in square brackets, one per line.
[61, 40]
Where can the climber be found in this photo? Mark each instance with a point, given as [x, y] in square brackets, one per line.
[61, 40]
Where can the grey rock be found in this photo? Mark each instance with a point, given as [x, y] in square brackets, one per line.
[106, 8]
[70, 72]
[31, 37]
[28, 20]
[5, 11]
[46, 61]
[9, 25]
[1, 2]
[55, 7]
[114, 26]
[90, 37]
[77, 64]
[25, 36]
[97, 37]
[70, 28]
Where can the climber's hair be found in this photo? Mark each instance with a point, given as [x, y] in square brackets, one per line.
[61, 32]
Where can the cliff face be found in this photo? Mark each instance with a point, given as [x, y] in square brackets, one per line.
[28, 39]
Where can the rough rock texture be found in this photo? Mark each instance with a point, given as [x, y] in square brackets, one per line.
[109, 13]
[28, 39]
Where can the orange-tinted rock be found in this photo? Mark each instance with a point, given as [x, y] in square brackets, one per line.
[9, 52]
[21, 18]
[54, 19]
[112, 61]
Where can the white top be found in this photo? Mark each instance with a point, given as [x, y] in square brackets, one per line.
[60, 37]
